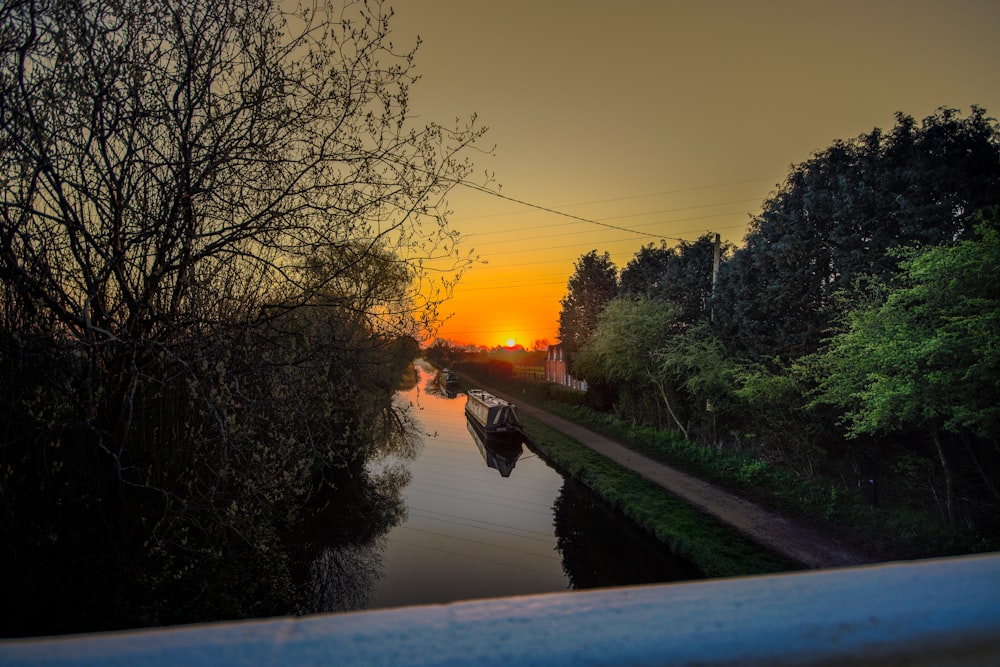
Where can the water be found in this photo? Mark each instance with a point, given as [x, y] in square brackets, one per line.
[473, 533]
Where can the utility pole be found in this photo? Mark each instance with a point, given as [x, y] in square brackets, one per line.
[716, 252]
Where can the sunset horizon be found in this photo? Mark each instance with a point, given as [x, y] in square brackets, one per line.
[610, 129]
[314, 309]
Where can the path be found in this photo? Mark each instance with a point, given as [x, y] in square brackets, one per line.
[775, 532]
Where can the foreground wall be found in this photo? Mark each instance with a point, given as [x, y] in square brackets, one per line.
[935, 612]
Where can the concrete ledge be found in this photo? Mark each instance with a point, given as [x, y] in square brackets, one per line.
[934, 612]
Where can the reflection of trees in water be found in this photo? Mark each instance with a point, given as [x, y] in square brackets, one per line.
[345, 541]
[599, 548]
[344, 578]
[433, 386]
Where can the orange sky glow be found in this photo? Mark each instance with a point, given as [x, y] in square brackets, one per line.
[665, 120]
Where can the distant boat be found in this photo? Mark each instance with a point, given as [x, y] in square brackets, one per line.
[448, 378]
[492, 417]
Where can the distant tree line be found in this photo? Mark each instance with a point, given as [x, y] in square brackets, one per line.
[443, 353]
[854, 332]
[213, 227]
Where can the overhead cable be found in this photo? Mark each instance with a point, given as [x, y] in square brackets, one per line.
[539, 207]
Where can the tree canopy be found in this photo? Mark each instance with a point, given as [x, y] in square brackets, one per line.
[854, 333]
[593, 284]
[924, 350]
[216, 225]
[838, 214]
[625, 349]
[644, 273]
[165, 164]
[922, 354]
[681, 275]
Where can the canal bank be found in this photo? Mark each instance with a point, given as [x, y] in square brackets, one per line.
[481, 523]
[717, 553]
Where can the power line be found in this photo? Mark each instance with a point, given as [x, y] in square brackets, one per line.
[531, 284]
[539, 207]
[627, 197]
[509, 230]
[490, 266]
[471, 237]
[550, 281]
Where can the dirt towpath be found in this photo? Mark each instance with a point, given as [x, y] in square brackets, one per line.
[777, 533]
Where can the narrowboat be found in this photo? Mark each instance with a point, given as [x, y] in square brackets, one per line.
[492, 417]
[448, 379]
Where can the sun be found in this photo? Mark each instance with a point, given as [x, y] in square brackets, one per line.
[511, 342]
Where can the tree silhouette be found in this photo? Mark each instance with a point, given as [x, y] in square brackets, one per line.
[838, 214]
[593, 284]
[218, 219]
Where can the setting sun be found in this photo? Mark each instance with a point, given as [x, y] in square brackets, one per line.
[511, 342]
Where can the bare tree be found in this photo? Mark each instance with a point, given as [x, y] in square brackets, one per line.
[214, 217]
[174, 166]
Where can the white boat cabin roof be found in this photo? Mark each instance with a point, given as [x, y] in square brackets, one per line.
[487, 398]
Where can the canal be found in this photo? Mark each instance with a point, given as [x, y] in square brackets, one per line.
[474, 531]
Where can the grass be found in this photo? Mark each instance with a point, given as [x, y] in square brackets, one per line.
[883, 533]
[886, 532]
[713, 547]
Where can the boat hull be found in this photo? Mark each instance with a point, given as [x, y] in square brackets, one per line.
[448, 379]
[501, 434]
[492, 418]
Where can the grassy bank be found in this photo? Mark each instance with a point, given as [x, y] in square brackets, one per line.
[827, 505]
[716, 549]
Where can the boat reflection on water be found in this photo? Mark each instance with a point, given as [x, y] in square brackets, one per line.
[494, 426]
[501, 455]
[448, 380]
[445, 386]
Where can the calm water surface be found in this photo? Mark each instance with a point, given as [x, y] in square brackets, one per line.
[473, 533]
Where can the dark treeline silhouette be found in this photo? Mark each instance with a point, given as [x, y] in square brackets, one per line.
[853, 333]
[214, 223]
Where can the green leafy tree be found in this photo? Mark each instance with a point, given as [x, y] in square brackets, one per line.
[923, 354]
[838, 214]
[707, 375]
[593, 284]
[769, 404]
[625, 350]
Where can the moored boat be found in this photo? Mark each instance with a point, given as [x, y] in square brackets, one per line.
[448, 379]
[492, 417]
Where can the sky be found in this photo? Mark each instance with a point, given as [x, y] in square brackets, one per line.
[662, 119]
